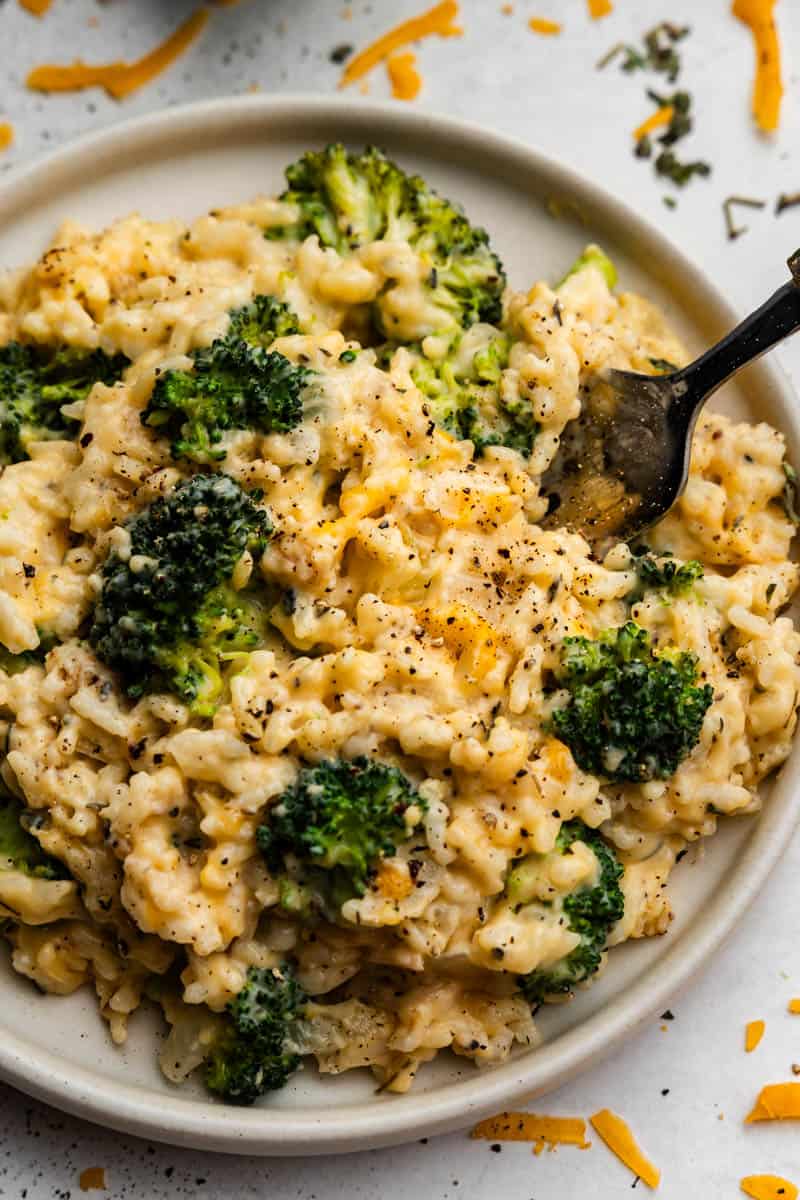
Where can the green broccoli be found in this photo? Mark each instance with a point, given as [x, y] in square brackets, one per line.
[670, 577]
[633, 714]
[256, 1052]
[590, 911]
[36, 382]
[168, 616]
[342, 817]
[236, 383]
[593, 256]
[19, 849]
[349, 200]
[464, 396]
[13, 664]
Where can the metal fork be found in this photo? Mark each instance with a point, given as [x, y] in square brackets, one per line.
[623, 463]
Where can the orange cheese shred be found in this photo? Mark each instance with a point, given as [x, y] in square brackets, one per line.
[404, 76]
[119, 79]
[768, 1187]
[758, 15]
[620, 1141]
[37, 7]
[753, 1033]
[93, 1178]
[776, 1102]
[543, 26]
[600, 8]
[6, 135]
[441, 20]
[533, 1127]
[794, 1006]
[662, 116]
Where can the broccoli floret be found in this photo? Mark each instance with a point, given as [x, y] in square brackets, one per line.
[256, 1052]
[342, 817]
[634, 714]
[167, 616]
[261, 321]
[349, 200]
[670, 577]
[464, 394]
[36, 382]
[13, 664]
[236, 383]
[590, 911]
[593, 256]
[19, 849]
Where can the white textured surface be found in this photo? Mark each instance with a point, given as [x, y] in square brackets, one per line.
[546, 91]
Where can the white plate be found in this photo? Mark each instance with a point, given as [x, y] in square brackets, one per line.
[181, 163]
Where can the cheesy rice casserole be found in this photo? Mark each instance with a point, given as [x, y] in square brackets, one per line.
[309, 733]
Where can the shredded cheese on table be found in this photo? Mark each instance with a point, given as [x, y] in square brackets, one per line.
[753, 1033]
[119, 79]
[776, 1102]
[93, 1179]
[6, 134]
[404, 77]
[768, 85]
[599, 8]
[662, 116]
[794, 1006]
[768, 1187]
[533, 1127]
[441, 20]
[542, 25]
[620, 1141]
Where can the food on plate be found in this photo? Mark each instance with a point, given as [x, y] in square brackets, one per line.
[309, 733]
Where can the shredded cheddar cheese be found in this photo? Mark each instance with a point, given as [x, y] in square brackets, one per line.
[93, 1179]
[768, 85]
[768, 1187]
[753, 1033]
[599, 8]
[6, 135]
[662, 116]
[404, 76]
[441, 20]
[37, 7]
[119, 79]
[533, 1127]
[620, 1141]
[794, 1006]
[543, 26]
[776, 1102]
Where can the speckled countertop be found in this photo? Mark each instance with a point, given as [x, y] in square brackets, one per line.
[686, 1083]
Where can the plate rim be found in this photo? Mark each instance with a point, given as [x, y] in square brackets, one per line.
[263, 1131]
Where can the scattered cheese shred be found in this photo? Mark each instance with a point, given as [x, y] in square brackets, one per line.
[768, 85]
[404, 76]
[600, 8]
[542, 25]
[777, 1102]
[119, 79]
[6, 134]
[768, 1187]
[753, 1033]
[533, 1127]
[438, 20]
[662, 116]
[794, 1006]
[93, 1179]
[37, 7]
[619, 1139]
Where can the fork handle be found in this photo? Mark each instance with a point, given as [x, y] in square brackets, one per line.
[775, 320]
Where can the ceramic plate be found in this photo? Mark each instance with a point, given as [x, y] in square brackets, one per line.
[181, 163]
